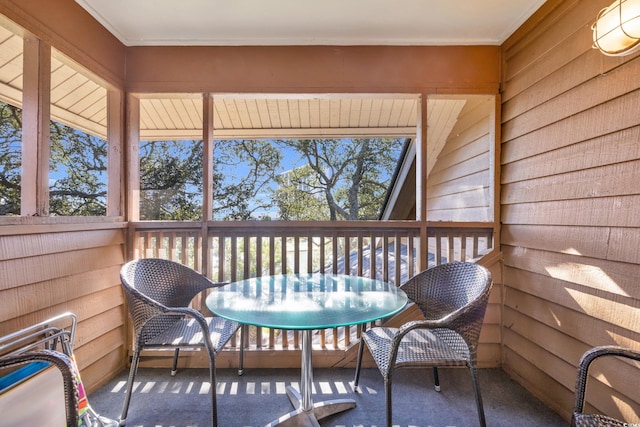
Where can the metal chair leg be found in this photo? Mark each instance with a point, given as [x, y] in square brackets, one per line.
[243, 334]
[436, 379]
[358, 363]
[212, 379]
[476, 389]
[174, 370]
[388, 400]
[127, 396]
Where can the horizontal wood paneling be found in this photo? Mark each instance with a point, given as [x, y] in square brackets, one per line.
[48, 273]
[528, 372]
[14, 247]
[572, 157]
[569, 207]
[459, 185]
[617, 114]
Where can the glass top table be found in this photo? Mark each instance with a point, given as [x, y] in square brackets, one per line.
[306, 302]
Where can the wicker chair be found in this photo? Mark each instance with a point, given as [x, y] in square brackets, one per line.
[453, 299]
[62, 363]
[580, 419]
[158, 293]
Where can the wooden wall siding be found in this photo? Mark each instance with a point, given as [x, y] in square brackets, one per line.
[46, 273]
[459, 185]
[570, 208]
[490, 344]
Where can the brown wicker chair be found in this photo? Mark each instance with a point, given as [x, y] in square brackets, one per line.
[158, 293]
[579, 418]
[453, 299]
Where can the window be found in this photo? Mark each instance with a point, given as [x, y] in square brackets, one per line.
[171, 180]
[78, 141]
[303, 179]
[11, 53]
[171, 157]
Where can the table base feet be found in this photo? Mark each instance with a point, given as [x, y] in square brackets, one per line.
[318, 411]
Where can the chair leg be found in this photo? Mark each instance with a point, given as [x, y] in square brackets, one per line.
[127, 395]
[476, 389]
[212, 379]
[436, 379]
[388, 400]
[358, 363]
[243, 333]
[174, 370]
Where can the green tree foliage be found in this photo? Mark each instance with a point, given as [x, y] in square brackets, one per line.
[243, 193]
[351, 178]
[78, 167]
[77, 173]
[299, 197]
[10, 159]
[170, 180]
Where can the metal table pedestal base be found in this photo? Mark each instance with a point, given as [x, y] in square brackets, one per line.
[307, 412]
[320, 410]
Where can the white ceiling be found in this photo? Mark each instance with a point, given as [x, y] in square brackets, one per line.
[311, 22]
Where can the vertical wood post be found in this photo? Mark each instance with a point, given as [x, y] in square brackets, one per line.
[133, 158]
[496, 140]
[115, 176]
[36, 107]
[421, 180]
[132, 169]
[207, 175]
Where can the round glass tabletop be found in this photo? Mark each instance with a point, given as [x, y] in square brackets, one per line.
[306, 301]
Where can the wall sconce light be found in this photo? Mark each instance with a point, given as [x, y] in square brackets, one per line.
[616, 31]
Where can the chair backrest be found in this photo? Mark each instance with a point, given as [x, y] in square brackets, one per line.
[447, 288]
[166, 282]
[151, 285]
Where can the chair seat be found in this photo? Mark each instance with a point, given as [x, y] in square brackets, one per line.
[420, 347]
[597, 420]
[186, 333]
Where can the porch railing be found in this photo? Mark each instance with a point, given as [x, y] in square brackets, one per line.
[230, 251]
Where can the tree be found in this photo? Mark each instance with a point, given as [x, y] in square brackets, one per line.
[171, 180]
[352, 177]
[77, 173]
[251, 166]
[10, 159]
[298, 198]
[78, 167]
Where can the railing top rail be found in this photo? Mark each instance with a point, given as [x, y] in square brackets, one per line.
[334, 225]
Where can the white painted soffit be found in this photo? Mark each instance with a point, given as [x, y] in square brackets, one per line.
[311, 22]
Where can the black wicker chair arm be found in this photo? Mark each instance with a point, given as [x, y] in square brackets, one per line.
[583, 374]
[161, 309]
[192, 312]
[205, 284]
[419, 324]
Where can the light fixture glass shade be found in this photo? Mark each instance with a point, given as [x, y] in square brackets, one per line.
[616, 31]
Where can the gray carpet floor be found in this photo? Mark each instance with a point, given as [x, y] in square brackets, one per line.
[258, 397]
